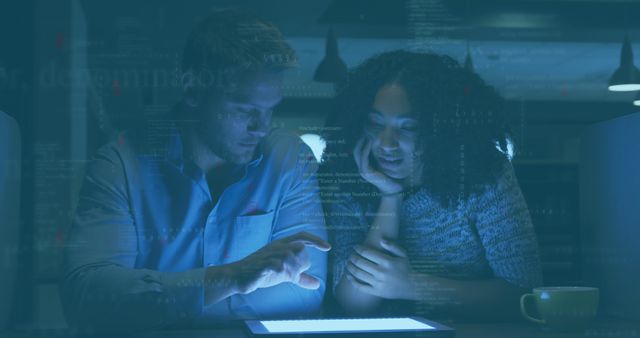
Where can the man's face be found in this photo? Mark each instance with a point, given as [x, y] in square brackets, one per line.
[235, 123]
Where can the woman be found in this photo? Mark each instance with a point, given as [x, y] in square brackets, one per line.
[420, 195]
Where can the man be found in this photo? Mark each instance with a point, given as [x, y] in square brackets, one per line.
[217, 219]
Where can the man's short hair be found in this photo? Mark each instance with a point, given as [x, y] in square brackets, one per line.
[229, 41]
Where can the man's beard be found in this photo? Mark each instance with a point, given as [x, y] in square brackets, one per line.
[216, 142]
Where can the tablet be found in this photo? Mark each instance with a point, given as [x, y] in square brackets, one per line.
[352, 326]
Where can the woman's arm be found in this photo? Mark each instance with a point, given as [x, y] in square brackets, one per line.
[478, 299]
[393, 278]
[506, 232]
[386, 222]
[505, 229]
[385, 225]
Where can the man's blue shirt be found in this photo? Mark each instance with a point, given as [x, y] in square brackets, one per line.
[146, 227]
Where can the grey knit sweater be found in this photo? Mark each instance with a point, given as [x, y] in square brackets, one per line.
[487, 235]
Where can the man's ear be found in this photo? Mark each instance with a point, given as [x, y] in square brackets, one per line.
[188, 84]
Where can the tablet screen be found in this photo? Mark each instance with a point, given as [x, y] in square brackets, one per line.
[344, 325]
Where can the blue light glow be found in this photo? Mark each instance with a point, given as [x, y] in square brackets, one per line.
[344, 325]
[625, 87]
[316, 143]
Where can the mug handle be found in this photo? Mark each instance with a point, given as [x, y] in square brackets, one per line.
[523, 300]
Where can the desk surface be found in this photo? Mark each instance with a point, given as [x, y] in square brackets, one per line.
[608, 328]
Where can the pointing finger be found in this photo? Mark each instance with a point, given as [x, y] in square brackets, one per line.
[307, 281]
[310, 240]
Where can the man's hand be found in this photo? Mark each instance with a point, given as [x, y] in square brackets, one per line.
[381, 274]
[280, 261]
[384, 183]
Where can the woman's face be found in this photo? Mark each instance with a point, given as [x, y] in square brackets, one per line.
[393, 131]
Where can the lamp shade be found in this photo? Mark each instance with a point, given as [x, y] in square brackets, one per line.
[627, 76]
[331, 68]
[468, 63]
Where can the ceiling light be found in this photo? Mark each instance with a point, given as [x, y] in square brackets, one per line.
[331, 68]
[468, 63]
[627, 76]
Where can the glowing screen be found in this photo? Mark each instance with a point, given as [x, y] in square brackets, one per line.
[344, 325]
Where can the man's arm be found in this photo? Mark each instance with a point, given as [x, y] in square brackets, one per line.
[300, 211]
[101, 288]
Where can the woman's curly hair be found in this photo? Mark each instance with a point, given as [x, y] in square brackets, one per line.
[462, 125]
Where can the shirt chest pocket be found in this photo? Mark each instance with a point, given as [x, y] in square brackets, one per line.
[250, 233]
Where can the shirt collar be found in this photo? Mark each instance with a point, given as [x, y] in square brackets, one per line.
[175, 149]
[258, 156]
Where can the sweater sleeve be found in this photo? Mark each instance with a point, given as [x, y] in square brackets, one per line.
[506, 231]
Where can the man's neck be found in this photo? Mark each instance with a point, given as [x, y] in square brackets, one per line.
[219, 173]
[196, 150]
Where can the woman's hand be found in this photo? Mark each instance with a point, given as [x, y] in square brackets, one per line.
[384, 183]
[381, 274]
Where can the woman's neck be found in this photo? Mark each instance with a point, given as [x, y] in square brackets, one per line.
[415, 179]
